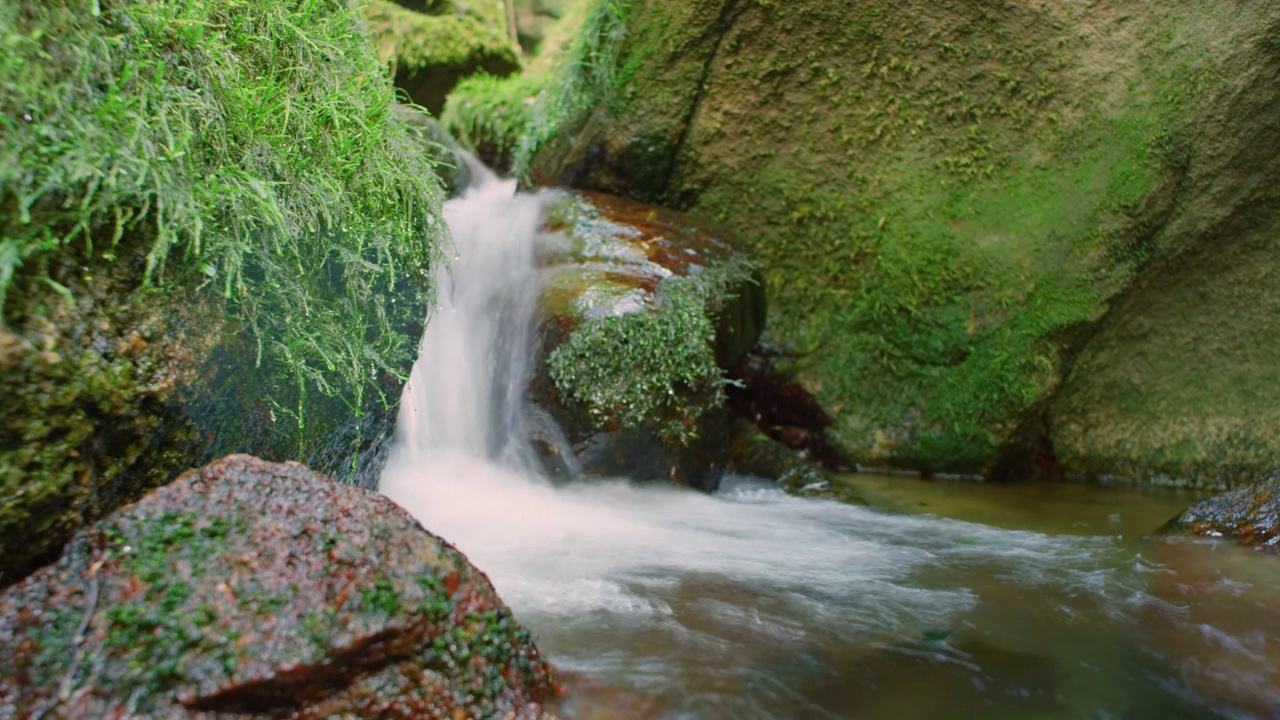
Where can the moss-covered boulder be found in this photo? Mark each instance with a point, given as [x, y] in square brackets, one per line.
[1249, 515]
[1180, 382]
[430, 51]
[947, 198]
[264, 590]
[643, 312]
[210, 241]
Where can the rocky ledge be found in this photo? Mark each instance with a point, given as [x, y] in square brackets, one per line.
[264, 590]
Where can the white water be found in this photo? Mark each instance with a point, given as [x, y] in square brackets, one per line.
[712, 602]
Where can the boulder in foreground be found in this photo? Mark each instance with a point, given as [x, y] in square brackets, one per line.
[265, 590]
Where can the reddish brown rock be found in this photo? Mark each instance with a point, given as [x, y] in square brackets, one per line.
[266, 590]
[1250, 515]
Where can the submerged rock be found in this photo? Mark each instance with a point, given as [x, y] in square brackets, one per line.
[1249, 515]
[265, 590]
[751, 452]
[644, 310]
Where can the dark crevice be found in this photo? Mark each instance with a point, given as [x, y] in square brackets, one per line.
[783, 409]
[729, 14]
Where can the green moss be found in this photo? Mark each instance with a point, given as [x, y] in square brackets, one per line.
[413, 40]
[652, 367]
[489, 115]
[938, 194]
[154, 629]
[271, 172]
[382, 597]
[514, 118]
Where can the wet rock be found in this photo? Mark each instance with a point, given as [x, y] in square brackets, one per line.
[751, 452]
[1250, 515]
[644, 310]
[264, 590]
[783, 408]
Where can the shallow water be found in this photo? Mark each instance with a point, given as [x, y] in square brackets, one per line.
[952, 601]
[752, 604]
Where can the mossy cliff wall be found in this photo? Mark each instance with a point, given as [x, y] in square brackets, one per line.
[214, 237]
[948, 198]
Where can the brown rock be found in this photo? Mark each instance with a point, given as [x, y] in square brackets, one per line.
[1250, 515]
[266, 590]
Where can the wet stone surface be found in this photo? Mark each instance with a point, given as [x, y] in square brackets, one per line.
[644, 309]
[1250, 515]
[265, 590]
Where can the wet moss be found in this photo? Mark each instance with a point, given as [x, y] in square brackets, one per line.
[430, 53]
[655, 366]
[166, 190]
[938, 195]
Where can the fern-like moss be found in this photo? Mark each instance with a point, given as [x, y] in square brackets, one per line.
[249, 145]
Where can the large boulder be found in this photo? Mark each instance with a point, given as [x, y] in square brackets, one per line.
[1249, 515]
[643, 312]
[952, 202]
[264, 590]
[1177, 385]
[189, 268]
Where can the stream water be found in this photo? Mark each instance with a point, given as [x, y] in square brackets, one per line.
[943, 601]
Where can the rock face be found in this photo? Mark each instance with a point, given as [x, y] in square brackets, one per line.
[643, 313]
[954, 202]
[264, 590]
[1249, 515]
[1177, 385]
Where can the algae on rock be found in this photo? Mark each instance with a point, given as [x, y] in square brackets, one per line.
[214, 236]
[945, 198]
[264, 590]
[644, 312]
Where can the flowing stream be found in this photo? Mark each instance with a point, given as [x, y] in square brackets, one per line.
[665, 603]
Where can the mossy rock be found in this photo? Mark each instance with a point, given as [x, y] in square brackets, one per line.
[946, 198]
[1178, 385]
[751, 452]
[208, 243]
[644, 309]
[431, 51]
[263, 590]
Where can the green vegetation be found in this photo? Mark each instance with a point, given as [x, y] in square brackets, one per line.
[443, 39]
[249, 145]
[655, 366]
[155, 629]
[488, 115]
[940, 196]
[516, 116]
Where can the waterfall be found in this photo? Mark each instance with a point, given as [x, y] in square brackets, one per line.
[465, 395]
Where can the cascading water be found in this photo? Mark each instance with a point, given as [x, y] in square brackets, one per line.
[752, 603]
